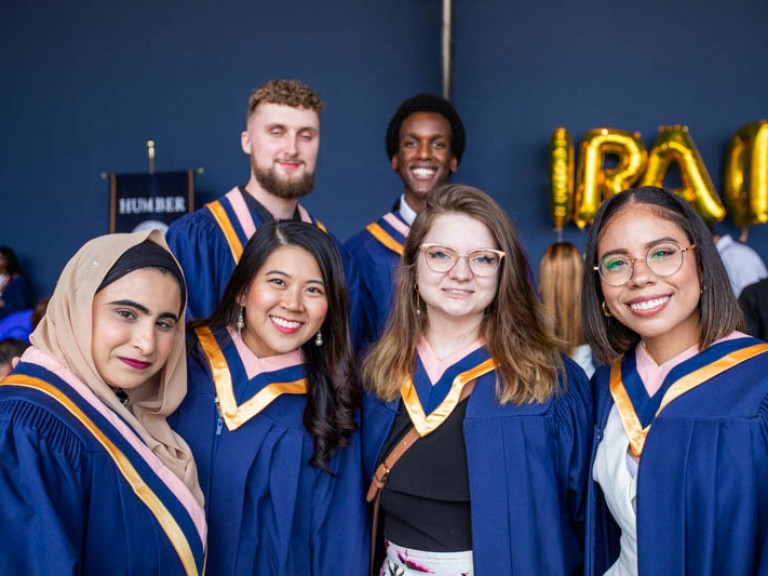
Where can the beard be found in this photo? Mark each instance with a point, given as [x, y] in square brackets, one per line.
[286, 189]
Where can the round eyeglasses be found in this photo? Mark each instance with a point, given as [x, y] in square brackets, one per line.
[663, 259]
[441, 258]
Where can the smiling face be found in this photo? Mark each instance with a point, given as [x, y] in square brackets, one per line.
[134, 327]
[663, 310]
[286, 303]
[424, 159]
[283, 144]
[458, 295]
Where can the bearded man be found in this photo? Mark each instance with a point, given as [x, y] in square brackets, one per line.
[282, 139]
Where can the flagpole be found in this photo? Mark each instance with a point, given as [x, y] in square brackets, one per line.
[151, 154]
[446, 41]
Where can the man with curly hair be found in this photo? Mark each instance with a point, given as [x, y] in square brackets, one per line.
[424, 141]
[282, 139]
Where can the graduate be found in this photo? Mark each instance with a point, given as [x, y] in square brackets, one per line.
[92, 478]
[496, 483]
[271, 413]
[680, 457]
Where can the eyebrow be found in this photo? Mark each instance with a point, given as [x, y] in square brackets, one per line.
[143, 309]
[647, 245]
[286, 275]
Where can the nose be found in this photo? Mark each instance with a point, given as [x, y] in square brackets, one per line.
[461, 269]
[425, 150]
[292, 299]
[291, 144]
[144, 338]
[641, 274]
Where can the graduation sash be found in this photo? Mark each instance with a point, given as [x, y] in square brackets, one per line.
[426, 424]
[390, 231]
[234, 414]
[638, 414]
[149, 488]
[238, 223]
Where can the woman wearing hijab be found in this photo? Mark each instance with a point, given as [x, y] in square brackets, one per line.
[92, 478]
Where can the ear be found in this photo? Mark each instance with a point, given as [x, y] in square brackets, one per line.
[241, 300]
[245, 142]
[454, 164]
[395, 163]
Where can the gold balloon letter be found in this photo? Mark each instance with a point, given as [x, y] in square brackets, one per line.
[595, 182]
[674, 144]
[561, 177]
[747, 206]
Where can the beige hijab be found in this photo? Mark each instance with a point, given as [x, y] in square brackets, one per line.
[65, 332]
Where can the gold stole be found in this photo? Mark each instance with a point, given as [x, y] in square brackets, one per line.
[629, 419]
[144, 493]
[385, 238]
[234, 414]
[425, 424]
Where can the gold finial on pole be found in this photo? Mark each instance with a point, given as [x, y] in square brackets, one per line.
[151, 154]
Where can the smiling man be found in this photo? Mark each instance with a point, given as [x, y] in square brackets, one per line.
[282, 139]
[425, 142]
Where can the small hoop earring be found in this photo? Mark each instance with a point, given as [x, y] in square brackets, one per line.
[319, 338]
[606, 311]
[240, 323]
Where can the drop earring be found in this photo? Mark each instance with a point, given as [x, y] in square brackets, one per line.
[418, 299]
[240, 323]
[319, 338]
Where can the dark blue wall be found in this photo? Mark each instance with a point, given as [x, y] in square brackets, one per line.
[86, 84]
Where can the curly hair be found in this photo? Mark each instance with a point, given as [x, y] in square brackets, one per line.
[293, 93]
[514, 327]
[426, 103]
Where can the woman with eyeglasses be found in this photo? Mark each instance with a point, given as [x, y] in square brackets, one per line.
[680, 462]
[497, 421]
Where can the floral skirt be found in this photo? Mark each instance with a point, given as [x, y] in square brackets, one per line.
[408, 562]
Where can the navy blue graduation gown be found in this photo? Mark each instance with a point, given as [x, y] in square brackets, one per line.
[208, 243]
[527, 474]
[270, 512]
[702, 484]
[80, 494]
[376, 252]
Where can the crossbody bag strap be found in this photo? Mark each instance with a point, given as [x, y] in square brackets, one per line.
[381, 475]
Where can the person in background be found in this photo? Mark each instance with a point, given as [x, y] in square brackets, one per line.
[92, 478]
[754, 303]
[19, 325]
[560, 271]
[680, 465]
[15, 291]
[10, 348]
[495, 484]
[425, 142]
[282, 140]
[743, 265]
[271, 413]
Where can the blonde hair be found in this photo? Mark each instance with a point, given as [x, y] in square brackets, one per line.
[560, 273]
[514, 326]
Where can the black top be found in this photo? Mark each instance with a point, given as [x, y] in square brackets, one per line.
[425, 505]
[259, 208]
